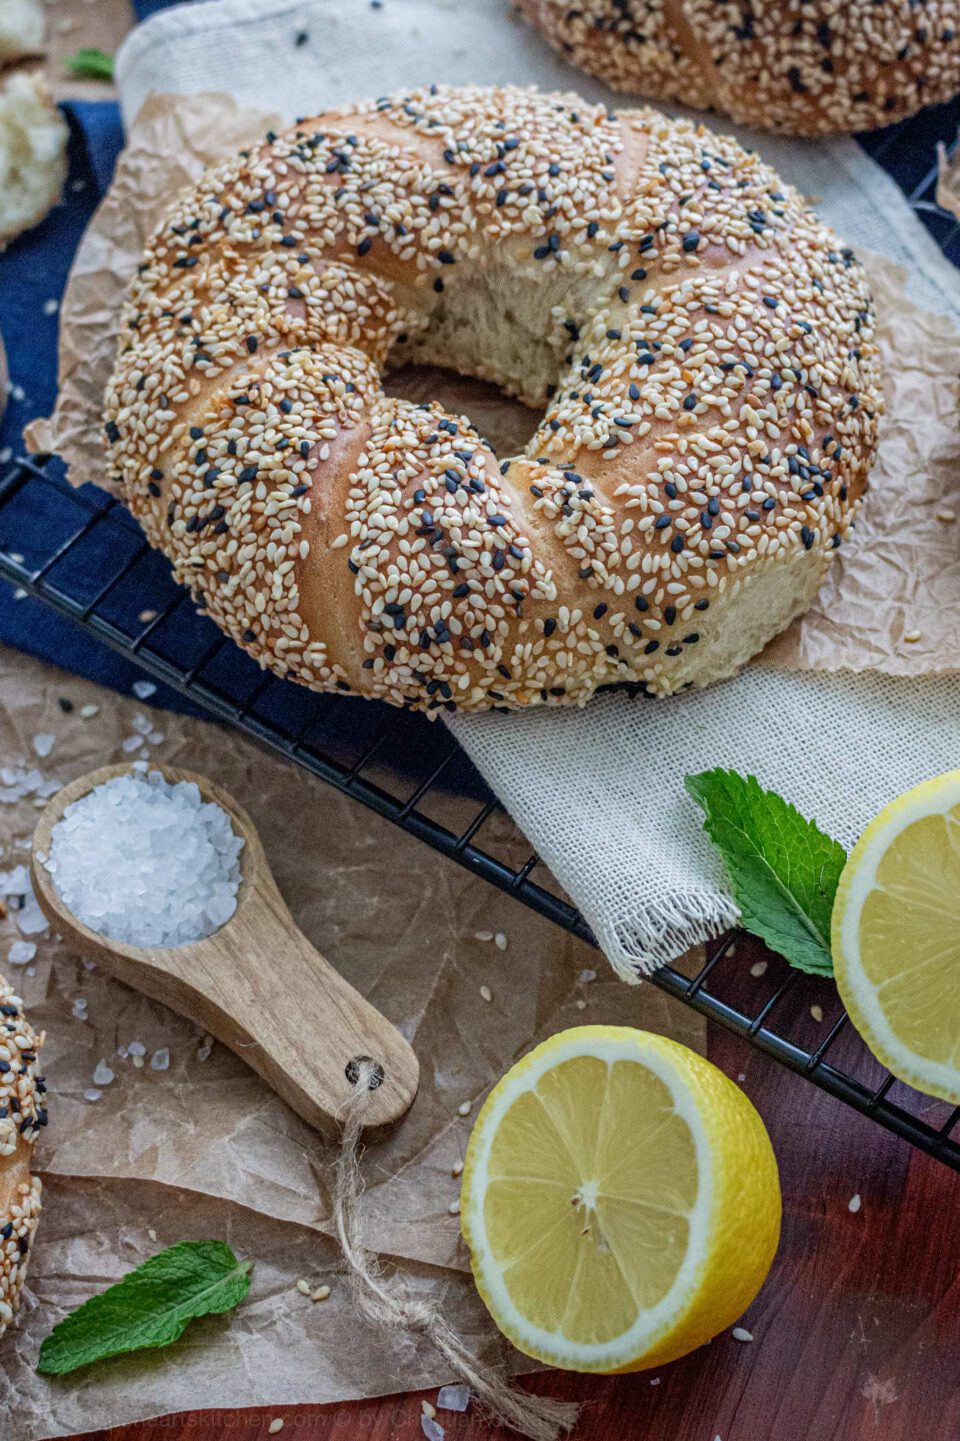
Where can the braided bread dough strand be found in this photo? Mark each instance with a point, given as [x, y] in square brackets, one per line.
[702, 344]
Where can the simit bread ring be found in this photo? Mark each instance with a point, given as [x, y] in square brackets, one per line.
[703, 346]
[21, 1117]
[818, 67]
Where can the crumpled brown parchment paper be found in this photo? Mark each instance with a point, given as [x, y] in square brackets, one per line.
[899, 575]
[202, 1147]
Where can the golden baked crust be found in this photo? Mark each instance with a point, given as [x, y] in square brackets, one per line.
[823, 67]
[701, 341]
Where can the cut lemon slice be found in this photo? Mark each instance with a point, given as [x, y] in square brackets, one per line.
[620, 1201]
[896, 936]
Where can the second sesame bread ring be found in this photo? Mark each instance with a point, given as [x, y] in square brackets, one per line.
[701, 343]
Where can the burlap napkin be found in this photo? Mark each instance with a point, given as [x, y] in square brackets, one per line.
[843, 712]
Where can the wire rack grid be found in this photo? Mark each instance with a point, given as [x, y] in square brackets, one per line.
[90, 563]
[406, 769]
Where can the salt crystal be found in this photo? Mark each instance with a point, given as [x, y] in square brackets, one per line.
[51, 306]
[453, 1398]
[30, 918]
[156, 738]
[854, 1203]
[43, 744]
[146, 862]
[144, 689]
[21, 952]
[431, 1429]
[203, 1053]
[131, 744]
[587, 976]
[102, 1075]
[136, 1048]
[160, 1060]
[79, 1009]
[92, 1094]
[142, 724]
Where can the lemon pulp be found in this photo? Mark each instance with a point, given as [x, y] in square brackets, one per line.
[896, 936]
[620, 1200]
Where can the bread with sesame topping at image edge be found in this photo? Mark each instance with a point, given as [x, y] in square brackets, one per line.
[820, 67]
[22, 1116]
[702, 345]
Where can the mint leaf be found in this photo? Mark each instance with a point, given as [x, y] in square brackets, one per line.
[783, 869]
[91, 64]
[150, 1307]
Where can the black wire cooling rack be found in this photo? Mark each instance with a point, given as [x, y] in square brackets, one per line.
[89, 562]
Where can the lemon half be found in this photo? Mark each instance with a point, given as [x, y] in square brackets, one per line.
[896, 936]
[620, 1201]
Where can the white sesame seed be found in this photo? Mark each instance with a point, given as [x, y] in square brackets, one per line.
[740, 1333]
[854, 1203]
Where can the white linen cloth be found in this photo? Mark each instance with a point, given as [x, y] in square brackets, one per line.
[599, 791]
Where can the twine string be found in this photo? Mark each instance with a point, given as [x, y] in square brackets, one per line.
[388, 1301]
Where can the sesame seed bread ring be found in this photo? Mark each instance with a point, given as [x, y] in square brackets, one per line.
[703, 346]
[22, 1115]
[820, 67]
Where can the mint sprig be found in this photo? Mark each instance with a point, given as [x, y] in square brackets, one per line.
[149, 1307]
[90, 63]
[783, 869]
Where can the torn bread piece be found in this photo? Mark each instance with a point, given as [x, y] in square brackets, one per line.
[33, 153]
[21, 30]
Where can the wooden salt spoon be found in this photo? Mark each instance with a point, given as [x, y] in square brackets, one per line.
[257, 983]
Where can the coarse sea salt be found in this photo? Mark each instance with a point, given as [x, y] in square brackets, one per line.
[453, 1398]
[146, 862]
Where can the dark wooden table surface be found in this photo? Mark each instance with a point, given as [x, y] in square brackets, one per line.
[856, 1332]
